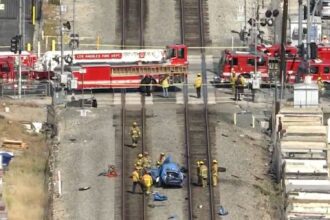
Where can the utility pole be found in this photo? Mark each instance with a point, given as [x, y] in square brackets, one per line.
[299, 22]
[73, 22]
[283, 43]
[308, 29]
[20, 50]
[61, 36]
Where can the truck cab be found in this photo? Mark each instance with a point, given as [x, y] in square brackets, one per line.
[177, 54]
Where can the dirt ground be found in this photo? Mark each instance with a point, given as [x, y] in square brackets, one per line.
[24, 188]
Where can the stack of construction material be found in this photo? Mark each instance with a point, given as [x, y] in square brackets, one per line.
[303, 144]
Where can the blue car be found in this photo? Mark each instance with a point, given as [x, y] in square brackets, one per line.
[168, 174]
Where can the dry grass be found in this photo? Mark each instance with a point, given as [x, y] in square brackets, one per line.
[24, 188]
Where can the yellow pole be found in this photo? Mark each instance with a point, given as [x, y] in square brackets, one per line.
[53, 45]
[98, 42]
[28, 47]
[33, 14]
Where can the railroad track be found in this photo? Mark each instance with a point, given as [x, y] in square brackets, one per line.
[194, 23]
[133, 22]
[201, 201]
[133, 206]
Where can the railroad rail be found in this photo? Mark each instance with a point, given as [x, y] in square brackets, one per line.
[194, 27]
[201, 203]
[132, 22]
[133, 206]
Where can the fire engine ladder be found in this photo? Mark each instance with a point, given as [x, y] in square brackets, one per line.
[151, 70]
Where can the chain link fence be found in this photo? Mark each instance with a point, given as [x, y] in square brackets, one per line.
[28, 89]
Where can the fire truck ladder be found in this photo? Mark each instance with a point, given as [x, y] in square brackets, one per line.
[151, 70]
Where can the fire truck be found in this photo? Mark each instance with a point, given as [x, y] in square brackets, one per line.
[9, 66]
[96, 69]
[119, 68]
[242, 63]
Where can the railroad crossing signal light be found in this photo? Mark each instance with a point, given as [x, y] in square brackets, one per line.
[252, 22]
[67, 25]
[305, 12]
[14, 44]
[276, 12]
[268, 13]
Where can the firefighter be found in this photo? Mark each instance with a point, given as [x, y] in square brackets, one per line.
[136, 179]
[146, 161]
[139, 159]
[203, 173]
[214, 171]
[233, 79]
[325, 39]
[239, 87]
[198, 84]
[165, 85]
[139, 168]
[147, 182]
[161, 159]
[320, 85]
[135, 134]
[199, 179]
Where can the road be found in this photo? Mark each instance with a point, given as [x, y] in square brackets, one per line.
[9, 23]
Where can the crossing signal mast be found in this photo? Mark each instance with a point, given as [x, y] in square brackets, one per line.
[14, 44]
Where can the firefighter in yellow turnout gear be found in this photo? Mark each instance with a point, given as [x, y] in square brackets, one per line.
[198, 84]
[136, 179]
[146, 161]
[135, 134]
[214, 172]
[203, 173]
[147, 182]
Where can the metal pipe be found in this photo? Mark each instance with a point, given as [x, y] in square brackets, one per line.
[308, 29]
[300, 22]
[283, 43]
[20, 50]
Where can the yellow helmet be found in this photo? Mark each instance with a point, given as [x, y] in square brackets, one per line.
[134, 123]
[140, 155]
[158, 162]
[163, 154]
[324, 36]
[198, 74]
[201, 162]
[319, 78]
[215, 161]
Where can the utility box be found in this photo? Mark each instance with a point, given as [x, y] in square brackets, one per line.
[306, 95]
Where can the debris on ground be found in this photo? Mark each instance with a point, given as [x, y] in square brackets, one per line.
[222, 211]
[111, 172]
[84, 188]
[159, 197]
[14, 144]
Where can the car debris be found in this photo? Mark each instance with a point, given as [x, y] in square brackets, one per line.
[84, 188]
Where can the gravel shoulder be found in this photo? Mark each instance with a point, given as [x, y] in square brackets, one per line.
[86, 148]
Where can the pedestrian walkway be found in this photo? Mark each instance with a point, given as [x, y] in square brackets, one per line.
[192, 99]
[132, 99]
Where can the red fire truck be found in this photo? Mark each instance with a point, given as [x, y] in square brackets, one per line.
[122, 68]
[9, 66]
[242, 63]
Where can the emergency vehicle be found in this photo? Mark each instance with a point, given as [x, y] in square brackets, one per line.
[122, 68]
[242, 63]
[9, 66]
[94, 69]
